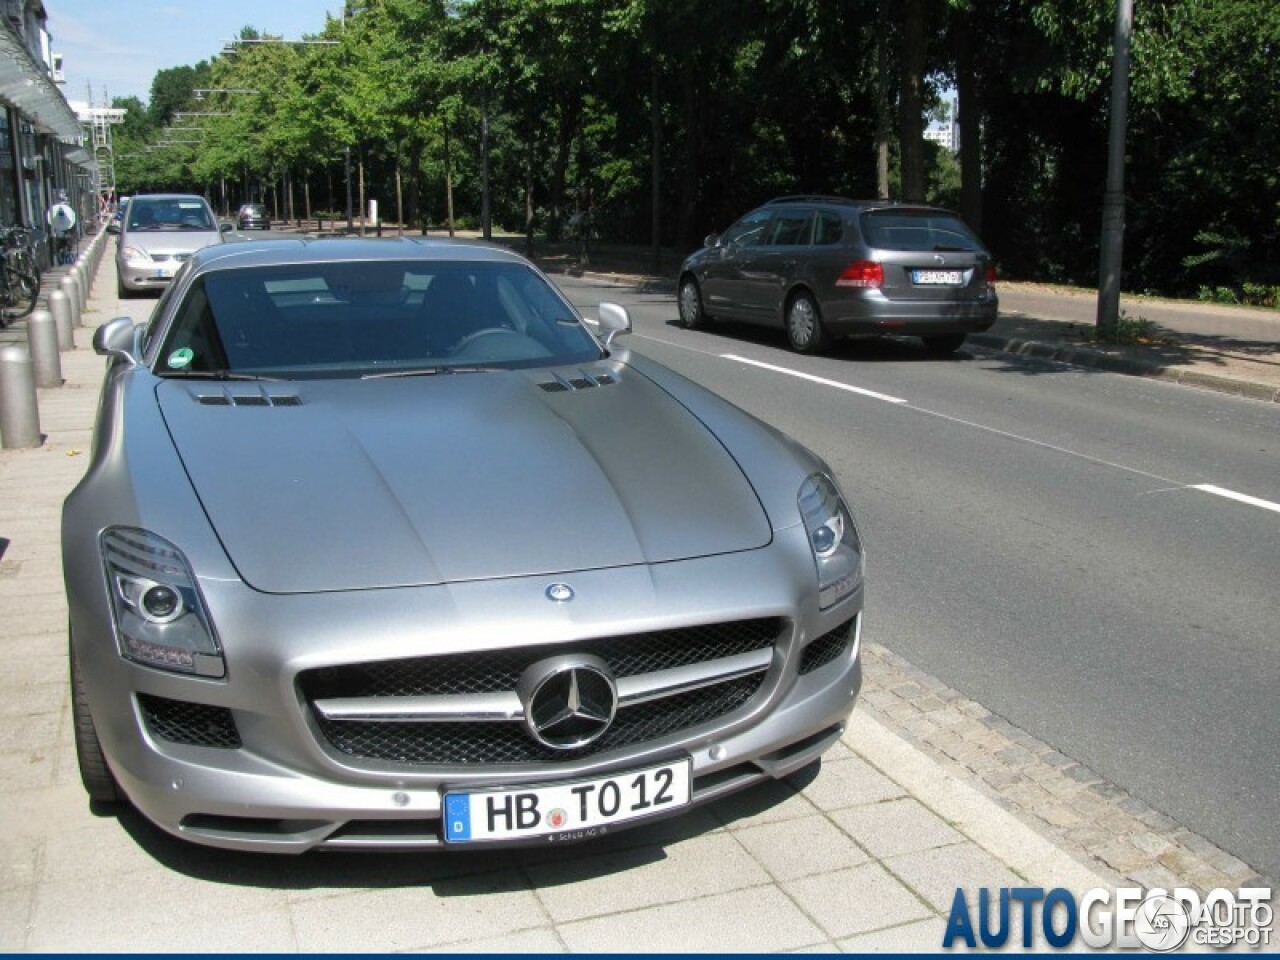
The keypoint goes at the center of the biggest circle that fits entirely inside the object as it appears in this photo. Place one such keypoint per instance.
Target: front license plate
(164, 271)
(951, 278)
(516, 813)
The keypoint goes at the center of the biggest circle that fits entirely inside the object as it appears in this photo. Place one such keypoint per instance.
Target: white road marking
(810, 377)
(1232, 495)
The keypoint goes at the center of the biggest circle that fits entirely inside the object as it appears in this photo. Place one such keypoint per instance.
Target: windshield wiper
(431, 371)
(215, 375)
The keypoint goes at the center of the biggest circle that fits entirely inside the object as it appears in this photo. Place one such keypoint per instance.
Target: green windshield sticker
(181, 358)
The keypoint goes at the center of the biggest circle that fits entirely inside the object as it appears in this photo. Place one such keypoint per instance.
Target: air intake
(584, 381)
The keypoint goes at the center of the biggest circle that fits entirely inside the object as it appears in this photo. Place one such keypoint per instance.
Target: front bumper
(139, 275)
(285, 788)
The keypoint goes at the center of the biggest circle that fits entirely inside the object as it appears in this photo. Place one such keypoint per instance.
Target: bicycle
(19, 276)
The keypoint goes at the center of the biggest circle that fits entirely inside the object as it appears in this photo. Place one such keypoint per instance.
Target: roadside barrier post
(62, 320)
(76, 274)
(68, 286)
(42, 336)
(19, 416)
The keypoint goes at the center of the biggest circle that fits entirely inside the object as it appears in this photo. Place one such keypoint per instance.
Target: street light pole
(350, 223)
(1113, 199)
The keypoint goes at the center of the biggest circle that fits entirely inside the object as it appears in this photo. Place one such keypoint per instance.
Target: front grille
(826, 648)
(485, 743)
(196, 724)
(473, 743)
(499, 670)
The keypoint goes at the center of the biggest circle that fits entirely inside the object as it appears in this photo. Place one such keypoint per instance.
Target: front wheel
(21, 291)
(804, 324)
(691, 313)
(96, 776)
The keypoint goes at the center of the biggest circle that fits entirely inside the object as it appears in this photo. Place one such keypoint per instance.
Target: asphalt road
(1038, 539)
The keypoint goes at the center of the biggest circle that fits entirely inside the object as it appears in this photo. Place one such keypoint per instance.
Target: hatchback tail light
(863, 273)
(991, 275)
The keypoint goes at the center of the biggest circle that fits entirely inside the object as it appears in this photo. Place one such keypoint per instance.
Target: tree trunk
(970, 126)
(363, 208)
(911, 120)
(448, 179)
(655, 124)
(528, 190)
(560, 169)
(692, 149)
(399, 202)
(884, 125)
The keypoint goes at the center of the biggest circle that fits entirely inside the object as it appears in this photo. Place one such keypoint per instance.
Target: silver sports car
(382, 546)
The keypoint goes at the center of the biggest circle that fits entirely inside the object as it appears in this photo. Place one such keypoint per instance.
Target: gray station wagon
(827, 267)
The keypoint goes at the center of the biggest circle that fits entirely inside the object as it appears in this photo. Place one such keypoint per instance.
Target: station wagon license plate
(942, 278)
(569, 809)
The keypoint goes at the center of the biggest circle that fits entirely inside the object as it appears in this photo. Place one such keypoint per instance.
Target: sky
(116, 46)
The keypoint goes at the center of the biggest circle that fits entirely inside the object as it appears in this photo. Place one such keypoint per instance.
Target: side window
(790, 228)
(748, 231)
(827, 229)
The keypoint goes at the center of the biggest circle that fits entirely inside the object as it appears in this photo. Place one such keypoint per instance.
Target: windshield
(917, 230)
(357, 319)
(170, 215)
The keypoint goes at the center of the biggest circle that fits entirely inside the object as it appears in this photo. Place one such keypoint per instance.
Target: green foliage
(745, 99)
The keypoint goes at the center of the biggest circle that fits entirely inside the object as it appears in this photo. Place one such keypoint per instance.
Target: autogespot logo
(1129, 917)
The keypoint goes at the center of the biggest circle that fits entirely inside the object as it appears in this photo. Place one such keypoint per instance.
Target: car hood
(345, 484)
(165, 242)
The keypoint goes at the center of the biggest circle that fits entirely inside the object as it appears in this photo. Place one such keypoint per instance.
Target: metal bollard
(19, 415)
(42, 337)
(78, 275)
(62, 321)
(68, 287)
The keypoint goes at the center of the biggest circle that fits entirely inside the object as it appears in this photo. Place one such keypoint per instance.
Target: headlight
(133, 253)
(159, 616)
(833, 538)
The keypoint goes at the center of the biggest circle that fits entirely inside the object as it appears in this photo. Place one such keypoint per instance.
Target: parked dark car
(253, 216)
(828, 267)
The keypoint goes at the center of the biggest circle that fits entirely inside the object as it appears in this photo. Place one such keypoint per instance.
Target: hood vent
(228, 399)
(585, 381)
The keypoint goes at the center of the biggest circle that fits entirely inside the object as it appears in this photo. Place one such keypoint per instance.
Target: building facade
(44, 159)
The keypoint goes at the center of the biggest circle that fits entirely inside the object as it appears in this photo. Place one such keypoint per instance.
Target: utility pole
(1113, 198)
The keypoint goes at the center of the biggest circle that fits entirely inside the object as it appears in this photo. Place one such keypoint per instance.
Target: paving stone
(896, 827)
(762, 919)
(847, 783)
(798, 848)
(935, 874)
(857, 900)
(923, 936)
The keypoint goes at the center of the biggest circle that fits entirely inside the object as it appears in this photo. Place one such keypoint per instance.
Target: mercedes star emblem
(569, 701)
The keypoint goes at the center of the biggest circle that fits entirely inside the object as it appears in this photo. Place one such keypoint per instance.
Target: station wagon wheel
(943, 342)
(804, 324)
(94, 772)
(691, 313)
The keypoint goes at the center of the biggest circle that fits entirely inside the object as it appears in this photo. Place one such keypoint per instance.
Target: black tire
(96, 776)
(803, 321)
(943, 343)
(689, 298)
(23, 289)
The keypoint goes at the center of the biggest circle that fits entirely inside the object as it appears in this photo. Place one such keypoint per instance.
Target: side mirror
(116, 338)
(226, 226)
(711, 240)
(614, 320)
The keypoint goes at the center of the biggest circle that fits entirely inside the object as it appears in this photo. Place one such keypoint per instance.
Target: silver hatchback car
(827, 267)
(158, 233)
(381, 545)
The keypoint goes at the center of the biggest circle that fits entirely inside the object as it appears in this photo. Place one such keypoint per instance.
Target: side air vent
(585, 381)
(217, 400)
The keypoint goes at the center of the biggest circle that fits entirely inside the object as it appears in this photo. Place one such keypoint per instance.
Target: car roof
(863, 205)
(309, 250)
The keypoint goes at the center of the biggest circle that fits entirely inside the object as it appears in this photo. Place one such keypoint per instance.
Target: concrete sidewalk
(866, 855)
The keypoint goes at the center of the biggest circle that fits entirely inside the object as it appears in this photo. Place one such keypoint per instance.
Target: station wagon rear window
(923, 230)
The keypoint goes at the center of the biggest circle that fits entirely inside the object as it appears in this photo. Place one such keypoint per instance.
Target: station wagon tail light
(159, 617)
(833, 538)
(991, 274)
(867, 274)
